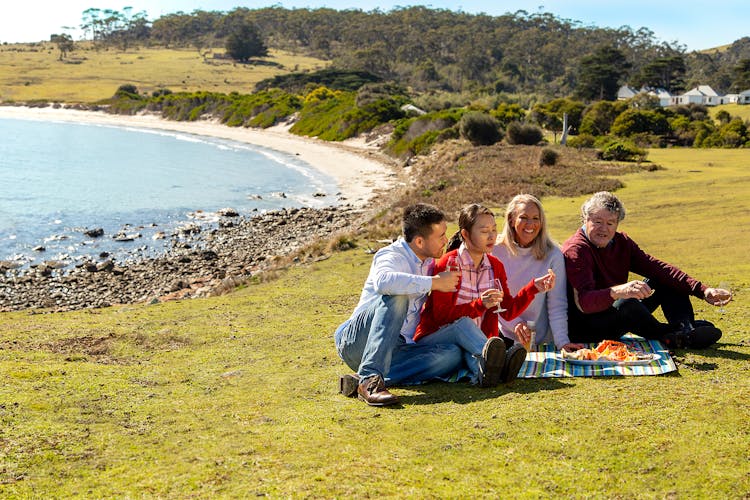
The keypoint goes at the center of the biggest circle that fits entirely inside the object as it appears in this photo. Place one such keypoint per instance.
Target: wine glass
(453, 265)
(725, 286)
(498, 284)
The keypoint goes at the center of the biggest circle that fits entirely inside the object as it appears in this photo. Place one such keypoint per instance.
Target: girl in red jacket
(477, 296)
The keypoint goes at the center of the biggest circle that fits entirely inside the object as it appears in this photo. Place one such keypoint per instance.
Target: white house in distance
(702, 94)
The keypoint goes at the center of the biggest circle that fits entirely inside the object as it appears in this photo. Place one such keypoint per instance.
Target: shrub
(523, 133)
(622, 151)
(479, 128)
(548, 157)
(127, 88)
(581, 141)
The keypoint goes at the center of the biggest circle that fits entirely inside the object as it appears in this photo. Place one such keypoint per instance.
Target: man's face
(434, 244)
(601, 227)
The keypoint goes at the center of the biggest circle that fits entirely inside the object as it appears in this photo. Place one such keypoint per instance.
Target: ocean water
(58, 179)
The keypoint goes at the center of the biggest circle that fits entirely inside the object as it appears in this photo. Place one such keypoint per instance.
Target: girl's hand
(546, 282)
(491, 298)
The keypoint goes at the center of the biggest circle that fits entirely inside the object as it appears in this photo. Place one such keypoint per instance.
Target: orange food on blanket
(607, 349)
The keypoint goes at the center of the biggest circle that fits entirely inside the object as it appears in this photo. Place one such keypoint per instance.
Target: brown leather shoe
(373, 392)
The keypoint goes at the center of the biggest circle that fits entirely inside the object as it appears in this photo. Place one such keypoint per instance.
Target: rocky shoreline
(200, 264)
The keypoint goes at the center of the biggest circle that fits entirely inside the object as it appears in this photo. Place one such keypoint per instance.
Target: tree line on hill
(531, 55)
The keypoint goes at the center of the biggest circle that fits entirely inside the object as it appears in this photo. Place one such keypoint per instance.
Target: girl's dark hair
(466, 220)
(418, 220)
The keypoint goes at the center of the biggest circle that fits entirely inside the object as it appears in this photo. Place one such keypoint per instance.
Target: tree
(741, 76)
(599, 74)
(244, 42)
(599, 117)
(664, 72)
(64, 43)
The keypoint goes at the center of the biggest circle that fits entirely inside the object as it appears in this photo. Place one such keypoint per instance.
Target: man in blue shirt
(377, 341)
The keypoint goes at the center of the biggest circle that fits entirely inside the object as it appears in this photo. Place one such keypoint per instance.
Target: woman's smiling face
(526, 224)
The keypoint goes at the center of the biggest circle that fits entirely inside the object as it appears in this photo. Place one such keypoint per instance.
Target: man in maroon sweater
(603, 304)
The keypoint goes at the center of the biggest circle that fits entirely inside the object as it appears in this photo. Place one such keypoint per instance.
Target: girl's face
(527, 224)
(482, 236)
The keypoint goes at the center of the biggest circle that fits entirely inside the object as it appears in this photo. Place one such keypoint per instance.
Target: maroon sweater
(591, 270)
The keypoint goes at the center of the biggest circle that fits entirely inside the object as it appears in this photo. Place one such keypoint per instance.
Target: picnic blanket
(546, 363)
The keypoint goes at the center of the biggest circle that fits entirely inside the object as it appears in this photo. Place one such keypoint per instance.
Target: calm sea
(59, 179)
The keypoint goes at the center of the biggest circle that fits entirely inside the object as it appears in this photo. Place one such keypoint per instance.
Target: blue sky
(696, 25)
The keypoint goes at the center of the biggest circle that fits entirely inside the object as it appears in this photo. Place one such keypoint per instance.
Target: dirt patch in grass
(456, 173)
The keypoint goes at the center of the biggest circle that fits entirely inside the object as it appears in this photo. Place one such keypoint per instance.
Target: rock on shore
(199, 264)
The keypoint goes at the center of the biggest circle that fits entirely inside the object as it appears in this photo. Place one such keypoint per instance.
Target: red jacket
(441, 309)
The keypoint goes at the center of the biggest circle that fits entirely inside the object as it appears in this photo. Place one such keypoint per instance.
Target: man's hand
(636, 289)
(447, 281)
(718, 296)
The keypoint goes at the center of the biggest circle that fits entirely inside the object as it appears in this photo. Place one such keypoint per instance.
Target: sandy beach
(356, 167)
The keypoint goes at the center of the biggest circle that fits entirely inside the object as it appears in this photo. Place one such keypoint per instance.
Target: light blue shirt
(396, 270)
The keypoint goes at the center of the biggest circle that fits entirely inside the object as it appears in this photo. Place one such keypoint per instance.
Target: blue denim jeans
(467, 335)
(370, 343)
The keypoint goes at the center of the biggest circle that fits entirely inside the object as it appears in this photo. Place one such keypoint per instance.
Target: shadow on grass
(462, 393)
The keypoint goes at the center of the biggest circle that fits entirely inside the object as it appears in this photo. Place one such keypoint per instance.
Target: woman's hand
(547, 282)
(636, 289)
(523, 333)
(571, 346)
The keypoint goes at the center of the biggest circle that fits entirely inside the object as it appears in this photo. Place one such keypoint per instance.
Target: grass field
(740, 110)
(235, 396)
(33, 72)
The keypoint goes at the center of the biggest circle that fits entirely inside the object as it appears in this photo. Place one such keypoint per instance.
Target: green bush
(523, 133)
(548, 157)
(581, 141)
(479, 128)
(619, 150)
(413, 136)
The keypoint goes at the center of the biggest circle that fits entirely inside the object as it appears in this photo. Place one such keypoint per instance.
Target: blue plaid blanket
(547, 363)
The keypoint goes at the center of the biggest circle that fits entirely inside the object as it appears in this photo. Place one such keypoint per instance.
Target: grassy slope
(740, 110)
(28, 72)
(236, 395)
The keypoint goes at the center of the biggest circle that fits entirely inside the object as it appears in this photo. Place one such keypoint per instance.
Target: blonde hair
(541, 244)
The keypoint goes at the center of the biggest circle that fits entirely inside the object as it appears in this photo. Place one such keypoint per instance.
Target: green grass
(33, 72)
(740, 110)
(235, 396)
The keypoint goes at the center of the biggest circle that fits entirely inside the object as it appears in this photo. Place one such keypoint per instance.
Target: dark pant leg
(676, 305)
(625, 315)
(594, 327)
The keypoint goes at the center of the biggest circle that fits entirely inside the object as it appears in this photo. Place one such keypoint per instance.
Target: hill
(34, 71)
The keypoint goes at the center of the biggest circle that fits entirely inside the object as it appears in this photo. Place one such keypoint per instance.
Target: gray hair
(600, 200)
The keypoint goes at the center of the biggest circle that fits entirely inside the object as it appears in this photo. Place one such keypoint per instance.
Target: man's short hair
(600, 200)
(418, 220)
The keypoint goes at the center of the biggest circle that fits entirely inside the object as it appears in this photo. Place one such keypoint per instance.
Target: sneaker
(348, 385)
(514, 358)
(491, 363)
